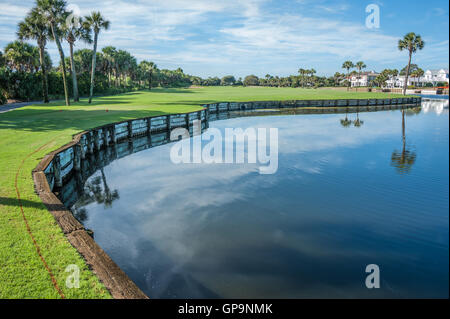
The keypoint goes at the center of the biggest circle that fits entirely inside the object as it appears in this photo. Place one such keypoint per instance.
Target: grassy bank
(25, 130)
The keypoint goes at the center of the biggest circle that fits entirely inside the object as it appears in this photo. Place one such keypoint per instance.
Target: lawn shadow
(14, 202)
(35, 120)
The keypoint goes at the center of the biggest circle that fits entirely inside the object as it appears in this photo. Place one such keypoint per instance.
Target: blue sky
(241, 37)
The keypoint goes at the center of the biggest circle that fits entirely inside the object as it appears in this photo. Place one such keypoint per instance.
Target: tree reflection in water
(94, 192)
(404, 160)
(346, 122)
(358, 122)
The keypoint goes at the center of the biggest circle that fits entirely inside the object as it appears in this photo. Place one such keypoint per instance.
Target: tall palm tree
(311, 75)
(302, 73)
(54, 11)
(148, 68)
(95, 22)
(75, 30)
(348, 65)
(360, 65)
(412, 43)
(110, 54)
(34, 27)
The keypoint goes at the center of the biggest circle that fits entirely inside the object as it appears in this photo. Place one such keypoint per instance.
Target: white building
(363, 79)
(399, 81)
(430, 76)
(435, 76)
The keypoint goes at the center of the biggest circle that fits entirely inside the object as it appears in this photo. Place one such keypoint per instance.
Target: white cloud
(216, 37)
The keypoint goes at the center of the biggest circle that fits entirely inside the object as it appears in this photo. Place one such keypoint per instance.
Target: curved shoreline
(88, 142)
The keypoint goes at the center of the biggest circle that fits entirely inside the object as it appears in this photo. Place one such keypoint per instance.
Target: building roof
(437, 71)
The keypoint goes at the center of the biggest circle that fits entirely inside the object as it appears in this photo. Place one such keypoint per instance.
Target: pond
(350, 190)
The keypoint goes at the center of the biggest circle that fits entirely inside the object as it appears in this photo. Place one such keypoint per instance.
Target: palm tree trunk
(63, 64)
(94, 61)
(76, 97)
(348, 80)
(44, 74)
(359, 79)
(407, 73)
(150, 82)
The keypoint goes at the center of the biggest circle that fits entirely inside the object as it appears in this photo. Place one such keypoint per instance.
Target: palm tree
(405, 159)
(34, 27)
(54, 11)
(20, 56)
(74, 30)
(337, 78)
(110, 54)
(311, 73)
(302, 73)
(348, 65)
(360, 65)
(95, 22)
(417, 74)
(412, 43)
(148, 68)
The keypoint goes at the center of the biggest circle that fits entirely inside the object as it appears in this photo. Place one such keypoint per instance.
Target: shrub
(251, 80)
(2, 99)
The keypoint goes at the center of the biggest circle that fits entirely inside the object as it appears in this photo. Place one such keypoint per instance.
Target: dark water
(342, 198)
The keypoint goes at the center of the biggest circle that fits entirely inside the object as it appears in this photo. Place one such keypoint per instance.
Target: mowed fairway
(25, 130)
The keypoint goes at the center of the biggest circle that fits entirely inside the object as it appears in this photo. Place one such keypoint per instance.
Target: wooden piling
(96, 140)
(77, 157)
(82, 150)
(149, 125)
(57, 171)
(113, 134)
(90, 144)
(130, 129)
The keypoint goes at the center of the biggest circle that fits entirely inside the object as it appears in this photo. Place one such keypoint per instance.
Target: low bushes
(27, 86)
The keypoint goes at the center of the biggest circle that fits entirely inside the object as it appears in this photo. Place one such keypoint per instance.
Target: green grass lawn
(22, 273)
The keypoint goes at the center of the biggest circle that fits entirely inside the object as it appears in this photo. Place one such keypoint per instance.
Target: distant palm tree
(412, 43)
(348, 65)
(73, 31)
(95, 22)
(34, 27)
(151, 67)
(417, 74)
(54, 11)
(302, 73)
(360, 65)
(311, 73)
(405, 159)
(110, 54)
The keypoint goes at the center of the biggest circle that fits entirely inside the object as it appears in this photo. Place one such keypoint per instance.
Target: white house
(430, 76)
(399, 81)
(363, 79)
(435, 76)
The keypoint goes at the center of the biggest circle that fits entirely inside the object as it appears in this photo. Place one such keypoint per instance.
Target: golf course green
(34, 252)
